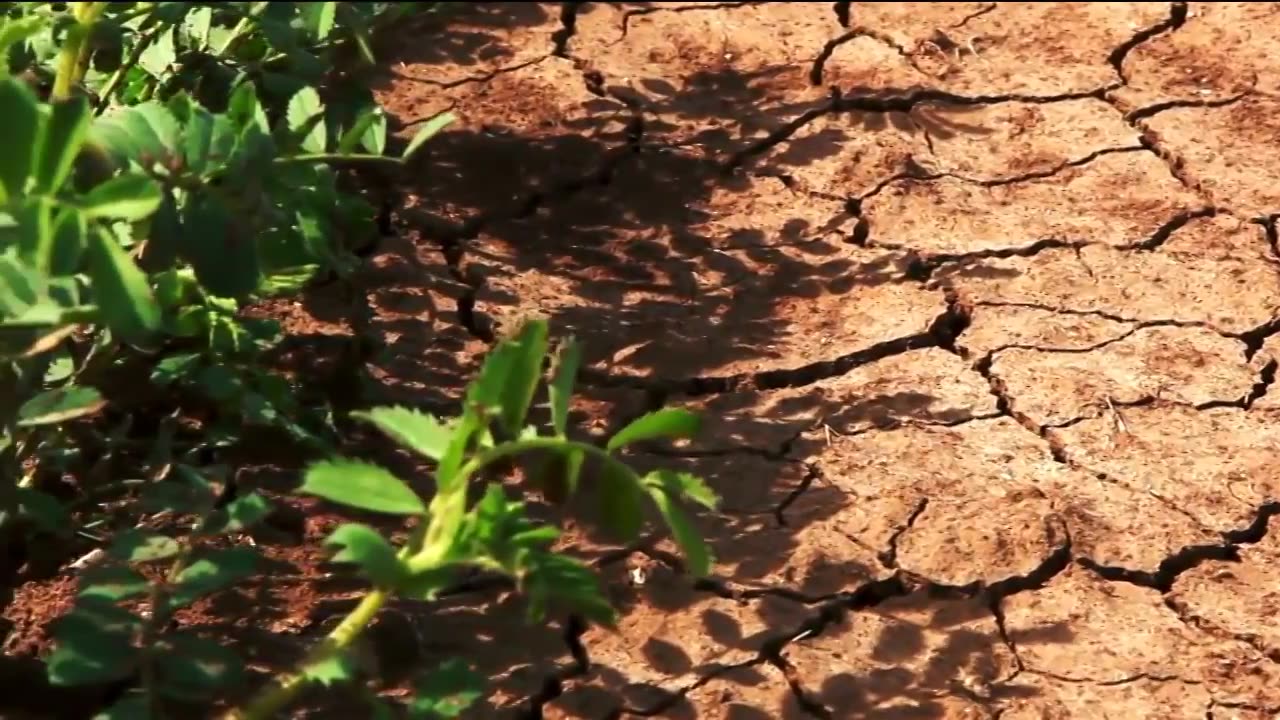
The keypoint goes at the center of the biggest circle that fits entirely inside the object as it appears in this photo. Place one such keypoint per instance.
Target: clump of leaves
(492, 533)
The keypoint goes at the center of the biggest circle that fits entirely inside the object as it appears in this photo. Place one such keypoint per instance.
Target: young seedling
(493, 533)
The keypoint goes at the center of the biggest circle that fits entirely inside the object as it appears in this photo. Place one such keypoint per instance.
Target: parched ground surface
(980, 302)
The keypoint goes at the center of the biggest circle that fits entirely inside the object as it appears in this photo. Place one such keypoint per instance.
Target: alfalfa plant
(452, 533)
(456, 529)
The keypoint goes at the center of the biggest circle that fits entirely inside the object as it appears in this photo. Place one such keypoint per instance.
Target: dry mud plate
(981, 304)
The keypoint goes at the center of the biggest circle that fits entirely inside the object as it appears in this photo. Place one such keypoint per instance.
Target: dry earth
(980, 301)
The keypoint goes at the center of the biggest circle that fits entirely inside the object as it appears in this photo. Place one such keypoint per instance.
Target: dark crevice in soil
(659, 8)
(568, 27)
(889, 556)
(1200, 624)
(1257, 529)
(1272, 234)
(807, 704)
(1266, 378)
(905, 102)
(779, 135)
(819, 63)
(1157, 108)
(1170, 568)
(1177, 16)
(553, 685)
(941, 333)
(1176, 223)
(812, 473)
(844, 11)
(1254, 339)
(670, 699)
(975, 15)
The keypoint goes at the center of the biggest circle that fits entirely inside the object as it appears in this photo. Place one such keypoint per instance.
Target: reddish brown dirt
(981, 302)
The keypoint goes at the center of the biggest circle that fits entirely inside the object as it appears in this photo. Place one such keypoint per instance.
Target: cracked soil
(981, 304)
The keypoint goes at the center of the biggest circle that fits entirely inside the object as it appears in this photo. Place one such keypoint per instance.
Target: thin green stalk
(310, 158)
(73, 57)
(135, 54)
(243, 27)
(280, 694)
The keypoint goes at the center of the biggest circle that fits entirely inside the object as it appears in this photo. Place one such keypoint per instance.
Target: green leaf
(21, 135)
(199, 22)
(220, 247)
(334, 669)
(620, 499)
(526, 371)
(369, 130)
(17, 30)
(197, 139)
(318, 17)
(60, 405)
(133, 707)
(44, 510)
(683, 484)
(428, 130)
(69, 238)
(667, 422)
(560, 390)
(193, 668)
(64, 134)
(131, 196)
(245, 511)
(141, 546)
(146, 133)
(94, 645)
(184, 491)
(362, 485)
(160, 55)
(121, 291)
(362, 545)
(418, 431)
(113, 583)
(445, 692)
(696, 553)
(305, 116)
(174, 368)
(213, 572)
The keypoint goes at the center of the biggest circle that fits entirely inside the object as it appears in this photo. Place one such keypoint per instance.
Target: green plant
(453, 530)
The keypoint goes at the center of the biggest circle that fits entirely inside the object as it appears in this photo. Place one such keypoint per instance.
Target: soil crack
(1177, 16)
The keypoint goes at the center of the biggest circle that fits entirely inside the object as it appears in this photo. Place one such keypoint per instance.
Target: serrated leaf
(335, 669)
(697, 554)
(142, 546)
(664, 423)
(305, 114)
(560, 389)
(418, 431)
(131, 196)
(60, 405)
(428, 130)
(445, 692)
(193, 668)
(213, 572)
(64, 134)
(362, 485)
(120, 288)
(113, 583)
(44, 510)
(21, 134)
(526, 371)
(683, 484)
(363, 546)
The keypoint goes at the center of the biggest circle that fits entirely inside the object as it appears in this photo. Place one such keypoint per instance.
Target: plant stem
(266, 704)
(420, 559)
(144, 41)
(338, 157)
(74, 55)
(242, 28)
